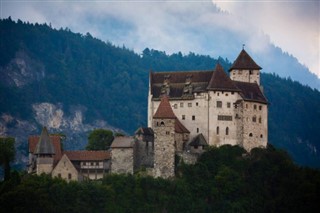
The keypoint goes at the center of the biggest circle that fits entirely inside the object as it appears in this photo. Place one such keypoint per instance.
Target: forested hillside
(224, 180)
(40, 65)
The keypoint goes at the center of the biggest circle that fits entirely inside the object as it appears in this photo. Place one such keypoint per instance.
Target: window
(254, 106)
(59, 175)
(227, 94)
(247, 106)
(254, 119)
(181, 104)
(217, 130)
(183, 117)
(69, 176)
(260, 107)
(224, 118)
(228, 104)
(162, 123)
(232, 93)
(193, 117)
(197, 104)
(167, 133)
(189, 104)
(260, 119)
(227, 131)
(217, 94)
(250, 135)
(261, 136)
(175, 106)
(250, 72)
(197, 130)
(219, 104)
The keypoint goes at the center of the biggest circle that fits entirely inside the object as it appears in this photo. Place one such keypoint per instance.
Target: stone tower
(244, 69)
(164, 131)
(44, 153)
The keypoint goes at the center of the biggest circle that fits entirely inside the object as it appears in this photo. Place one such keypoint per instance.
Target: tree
(7, 154)
(99, 139)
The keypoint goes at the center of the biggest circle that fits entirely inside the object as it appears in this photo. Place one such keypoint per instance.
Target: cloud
(292, 25)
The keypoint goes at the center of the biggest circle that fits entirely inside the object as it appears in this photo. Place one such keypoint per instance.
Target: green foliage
(225, 179)
(99, 139)
(7, 154)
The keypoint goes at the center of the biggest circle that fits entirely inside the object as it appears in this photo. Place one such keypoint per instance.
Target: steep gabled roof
(179, 127)
(251, 92)
(164, 110)
(44, 145)
(220, 81)
(199, 140)
(244, 61)
(56, 141)
(88, 155)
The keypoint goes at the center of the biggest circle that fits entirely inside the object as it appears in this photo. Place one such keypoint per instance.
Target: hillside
(73, 83)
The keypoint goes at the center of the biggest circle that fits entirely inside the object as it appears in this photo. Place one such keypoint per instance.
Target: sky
(215, 28)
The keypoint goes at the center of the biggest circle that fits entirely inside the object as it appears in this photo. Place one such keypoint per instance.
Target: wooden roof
(55, 140)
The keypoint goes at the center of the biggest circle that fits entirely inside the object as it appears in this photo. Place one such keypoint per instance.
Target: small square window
(219, 104)
(175, 106)
(228, 104)
(181, 104)
(189, 104)
(193, 117)
(183, 117)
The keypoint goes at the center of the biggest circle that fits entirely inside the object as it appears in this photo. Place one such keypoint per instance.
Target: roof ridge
(164, 110)
(244, 61)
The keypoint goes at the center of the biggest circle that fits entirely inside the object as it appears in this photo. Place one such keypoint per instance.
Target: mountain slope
(73, 83)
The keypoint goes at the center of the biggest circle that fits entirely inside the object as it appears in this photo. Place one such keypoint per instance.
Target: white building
(225, 110)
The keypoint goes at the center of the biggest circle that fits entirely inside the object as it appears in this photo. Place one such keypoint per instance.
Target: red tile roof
(164, 110)
(180, 128)
(88, 155)
(244, 61)
(220, 81)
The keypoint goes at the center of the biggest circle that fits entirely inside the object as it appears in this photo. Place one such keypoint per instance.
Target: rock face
(22, 70)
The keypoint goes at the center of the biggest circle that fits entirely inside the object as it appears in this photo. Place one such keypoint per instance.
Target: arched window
(250, 135)
(162, 123)
(227, 131)
(217, 130)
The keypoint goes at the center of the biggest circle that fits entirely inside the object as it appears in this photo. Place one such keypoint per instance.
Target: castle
(187, 111)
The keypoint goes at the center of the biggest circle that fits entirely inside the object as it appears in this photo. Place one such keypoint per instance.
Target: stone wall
(65, 170)
(255, 125)
(143, 154)
(164, 150)
(122, 160)
(252, 76)
(44, 165)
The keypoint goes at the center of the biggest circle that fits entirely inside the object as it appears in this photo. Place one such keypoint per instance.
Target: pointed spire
(244, 61)
(164, 110)
(44, 145)
(221, 81)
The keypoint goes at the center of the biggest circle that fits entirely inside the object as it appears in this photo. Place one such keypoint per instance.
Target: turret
(44, 153)
(164, 131)
(245, 69)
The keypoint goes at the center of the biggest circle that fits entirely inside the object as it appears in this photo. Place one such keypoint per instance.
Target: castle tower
(245, 69)
(164, 131)
(44, 153)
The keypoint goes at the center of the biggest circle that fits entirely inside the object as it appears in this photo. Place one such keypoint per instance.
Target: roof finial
(243, 46)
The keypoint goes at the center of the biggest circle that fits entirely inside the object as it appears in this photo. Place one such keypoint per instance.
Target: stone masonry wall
(122, 160)
(164, 148)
